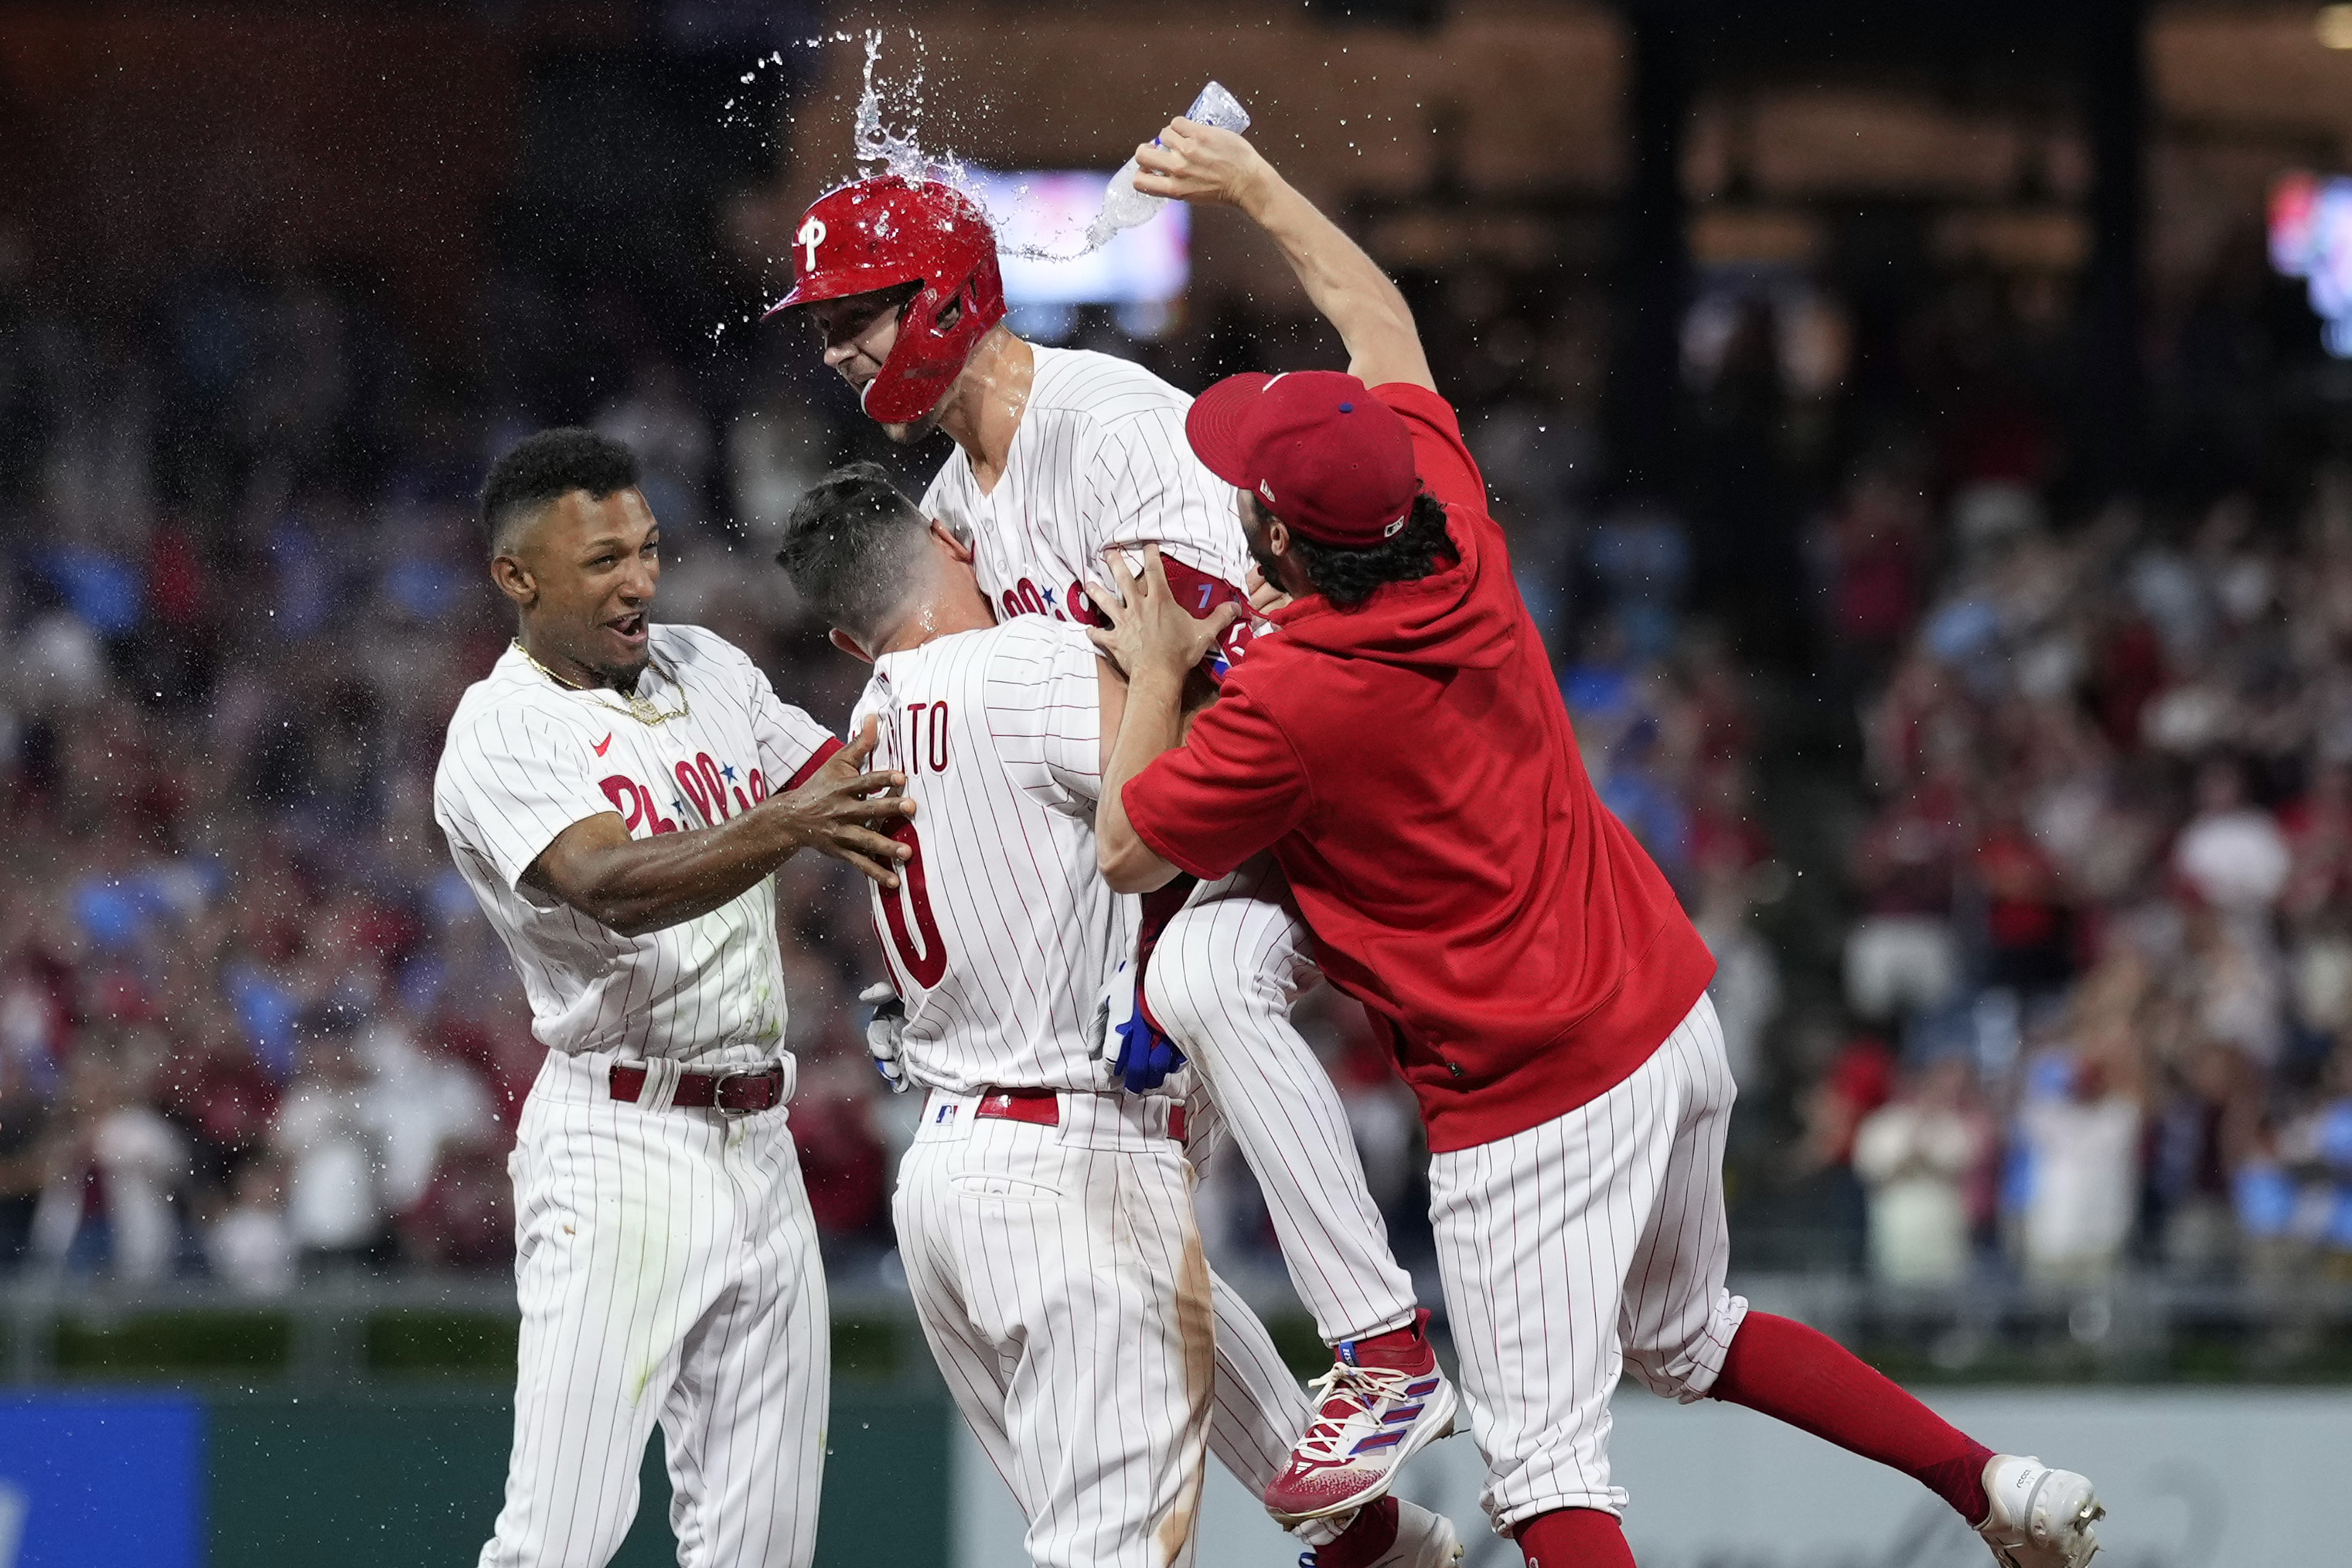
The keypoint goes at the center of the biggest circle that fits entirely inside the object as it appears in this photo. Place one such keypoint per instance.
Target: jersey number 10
(912, 900)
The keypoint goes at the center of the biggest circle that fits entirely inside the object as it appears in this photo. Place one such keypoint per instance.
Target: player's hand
(1150, 633)
(849, 814)
(1263, 596)
(1191, 162)
(885, 1026)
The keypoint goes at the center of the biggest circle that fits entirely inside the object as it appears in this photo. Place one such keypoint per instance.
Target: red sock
(1793, 1373)
(1370, 1534)
(1401, 1350)
(1575, 1538)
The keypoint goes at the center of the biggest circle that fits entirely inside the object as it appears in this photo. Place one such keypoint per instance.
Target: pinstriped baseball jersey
(1098, 459)
(705, 739)
(1002, 933)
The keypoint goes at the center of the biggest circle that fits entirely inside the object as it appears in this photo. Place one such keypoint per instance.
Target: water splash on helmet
(901, 152)
(897, 152)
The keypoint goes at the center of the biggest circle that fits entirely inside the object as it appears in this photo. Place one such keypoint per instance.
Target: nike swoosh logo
(605, 742)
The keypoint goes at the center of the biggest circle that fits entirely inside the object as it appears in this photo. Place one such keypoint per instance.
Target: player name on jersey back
(702, 739)
(1001, 934)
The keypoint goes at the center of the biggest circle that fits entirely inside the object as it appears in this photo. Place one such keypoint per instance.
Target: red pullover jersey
(1410, 764)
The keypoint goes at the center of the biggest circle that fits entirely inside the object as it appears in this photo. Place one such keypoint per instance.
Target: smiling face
(856, 333)
(582, 574)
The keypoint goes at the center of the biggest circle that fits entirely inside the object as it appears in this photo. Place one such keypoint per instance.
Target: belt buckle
(718, 1091)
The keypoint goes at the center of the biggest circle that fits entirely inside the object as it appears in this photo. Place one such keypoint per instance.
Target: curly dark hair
(1346, 575)
(547, 466)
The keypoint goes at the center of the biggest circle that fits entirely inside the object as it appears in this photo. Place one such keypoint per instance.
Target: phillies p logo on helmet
(810, 235)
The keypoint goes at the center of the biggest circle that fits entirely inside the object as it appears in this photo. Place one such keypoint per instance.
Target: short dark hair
(846, 547)
(1346, 575)
(544, 468)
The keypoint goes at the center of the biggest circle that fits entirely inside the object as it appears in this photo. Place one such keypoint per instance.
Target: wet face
(582, 574)
(856, 333)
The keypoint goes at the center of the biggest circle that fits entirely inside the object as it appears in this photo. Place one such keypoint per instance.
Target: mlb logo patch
(945, 1115)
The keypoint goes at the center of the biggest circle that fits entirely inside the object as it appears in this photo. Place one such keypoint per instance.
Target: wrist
(1255, 188)
(784, 829)
(1157, 685)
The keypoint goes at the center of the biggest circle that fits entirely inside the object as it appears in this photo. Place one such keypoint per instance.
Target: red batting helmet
(879, 232)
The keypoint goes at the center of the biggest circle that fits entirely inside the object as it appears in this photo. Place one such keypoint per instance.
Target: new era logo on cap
(1341, 458)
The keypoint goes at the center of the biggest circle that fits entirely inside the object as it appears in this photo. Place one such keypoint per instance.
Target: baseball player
(1059, 456)
(1045, 1216)
(1403, 748)
(617, 794)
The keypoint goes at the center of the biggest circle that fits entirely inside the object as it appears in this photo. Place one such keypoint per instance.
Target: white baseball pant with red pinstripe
(1058, 1274)
(667, 1265)
(1591, 1243)
(1221, 982)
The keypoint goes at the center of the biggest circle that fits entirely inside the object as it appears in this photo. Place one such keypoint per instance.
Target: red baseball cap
(1315, 447)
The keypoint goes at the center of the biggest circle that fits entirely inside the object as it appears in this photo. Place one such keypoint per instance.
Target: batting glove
(1145, 1056)
(1141, 1056)
(884, 1028)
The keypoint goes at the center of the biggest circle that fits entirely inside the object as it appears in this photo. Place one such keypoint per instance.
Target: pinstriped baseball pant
(1059, 1276)
(1222, 981)
(1590, 1243)
(667, 1267)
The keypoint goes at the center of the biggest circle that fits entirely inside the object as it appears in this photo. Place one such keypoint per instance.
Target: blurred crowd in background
(2022, 827)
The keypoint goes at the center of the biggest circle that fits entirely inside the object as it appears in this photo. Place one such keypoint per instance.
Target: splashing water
(902, 153)
(874, 142)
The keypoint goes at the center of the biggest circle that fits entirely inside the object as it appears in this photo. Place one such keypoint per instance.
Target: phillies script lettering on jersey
(704, 782)
(1098, 462)
(702, 739)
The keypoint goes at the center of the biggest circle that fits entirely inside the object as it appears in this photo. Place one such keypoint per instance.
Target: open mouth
(630, 628)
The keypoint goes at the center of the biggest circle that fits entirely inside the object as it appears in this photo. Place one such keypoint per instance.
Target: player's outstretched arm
(1201, 163)
(640, 885)
(1156, 642)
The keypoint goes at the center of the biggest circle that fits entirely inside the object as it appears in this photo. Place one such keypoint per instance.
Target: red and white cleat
(1383, 1401)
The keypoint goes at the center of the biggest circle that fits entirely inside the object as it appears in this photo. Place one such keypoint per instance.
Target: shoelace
(1366, 1387)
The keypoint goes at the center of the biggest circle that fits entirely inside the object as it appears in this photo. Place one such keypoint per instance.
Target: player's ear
(949, 541)
(1278, 535)
(515, 581)
(849, 645)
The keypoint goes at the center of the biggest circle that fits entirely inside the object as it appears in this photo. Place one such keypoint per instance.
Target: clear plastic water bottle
(1124, 206)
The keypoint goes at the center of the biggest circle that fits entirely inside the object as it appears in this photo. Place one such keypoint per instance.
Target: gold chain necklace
(644, 709)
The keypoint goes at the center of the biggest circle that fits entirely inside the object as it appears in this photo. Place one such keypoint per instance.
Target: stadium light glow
(2310, 238)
